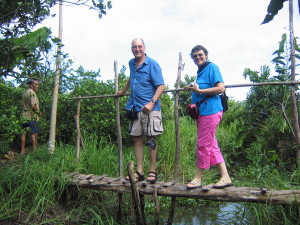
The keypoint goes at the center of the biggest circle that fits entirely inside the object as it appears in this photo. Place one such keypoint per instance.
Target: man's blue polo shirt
(143, 83)
(208, 78)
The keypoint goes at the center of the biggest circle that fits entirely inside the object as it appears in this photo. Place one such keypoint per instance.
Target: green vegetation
(33, 188)
(256, 136)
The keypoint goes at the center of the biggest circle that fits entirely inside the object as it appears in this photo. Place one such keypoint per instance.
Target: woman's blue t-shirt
(208, 78)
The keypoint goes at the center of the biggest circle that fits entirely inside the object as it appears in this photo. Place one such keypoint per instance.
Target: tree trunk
(56, 86)
(293, 95)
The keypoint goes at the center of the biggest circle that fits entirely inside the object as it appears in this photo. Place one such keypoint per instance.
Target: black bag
(224, 101)
(131, 114)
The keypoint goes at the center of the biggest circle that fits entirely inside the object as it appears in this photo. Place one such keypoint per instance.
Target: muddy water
(223, 213)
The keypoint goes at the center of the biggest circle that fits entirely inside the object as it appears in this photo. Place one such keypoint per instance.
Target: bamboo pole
(81, 139)
(78, 131)
(120, 150)
(157, 208)
(176, 117)
(177, 135)
(120, 206)
(81, 142)
(138, 207)
(119, 131)
(293, 95)
(291, 83)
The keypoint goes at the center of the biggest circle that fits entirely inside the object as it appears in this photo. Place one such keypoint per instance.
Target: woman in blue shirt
(205, 90)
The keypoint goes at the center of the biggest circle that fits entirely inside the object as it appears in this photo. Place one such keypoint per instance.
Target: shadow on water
(223, 213)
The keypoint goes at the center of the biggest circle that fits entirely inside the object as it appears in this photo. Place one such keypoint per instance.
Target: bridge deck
(172, 189)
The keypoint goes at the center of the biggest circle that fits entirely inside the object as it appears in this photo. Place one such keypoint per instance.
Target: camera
(151, 144)
(131, 114)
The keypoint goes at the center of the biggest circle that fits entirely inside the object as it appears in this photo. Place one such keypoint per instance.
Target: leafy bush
(10, 111)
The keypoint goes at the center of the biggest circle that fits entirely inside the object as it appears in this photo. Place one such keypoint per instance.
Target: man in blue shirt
(146, 85)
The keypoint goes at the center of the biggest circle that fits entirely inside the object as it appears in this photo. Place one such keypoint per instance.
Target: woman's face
(199, 57)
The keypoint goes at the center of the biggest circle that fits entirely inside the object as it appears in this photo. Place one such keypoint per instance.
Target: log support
(173, 189)
(137, 198)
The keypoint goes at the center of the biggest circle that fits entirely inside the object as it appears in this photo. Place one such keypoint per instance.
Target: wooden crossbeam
(172, 189)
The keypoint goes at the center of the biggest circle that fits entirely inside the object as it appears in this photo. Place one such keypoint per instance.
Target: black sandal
(155, 177)
(140, 177)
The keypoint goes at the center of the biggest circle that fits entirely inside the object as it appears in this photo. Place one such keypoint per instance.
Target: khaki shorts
(149, 124)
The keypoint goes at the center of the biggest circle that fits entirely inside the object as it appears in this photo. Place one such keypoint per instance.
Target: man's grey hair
(139, 39)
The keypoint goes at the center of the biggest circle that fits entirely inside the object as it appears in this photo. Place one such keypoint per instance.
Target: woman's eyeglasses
(196, 55)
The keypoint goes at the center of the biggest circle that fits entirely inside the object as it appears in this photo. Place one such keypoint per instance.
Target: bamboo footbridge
(173, 189)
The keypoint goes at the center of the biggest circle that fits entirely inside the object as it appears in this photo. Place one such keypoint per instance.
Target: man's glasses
(196, 55)
(137, 47)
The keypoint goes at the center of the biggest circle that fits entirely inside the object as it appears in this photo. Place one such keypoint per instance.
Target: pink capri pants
(208, 152)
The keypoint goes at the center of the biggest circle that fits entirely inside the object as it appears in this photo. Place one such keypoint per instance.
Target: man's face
(199, 57)
(34, 86)
(138, 48)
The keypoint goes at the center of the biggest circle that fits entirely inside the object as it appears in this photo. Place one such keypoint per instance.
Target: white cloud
(230, 30)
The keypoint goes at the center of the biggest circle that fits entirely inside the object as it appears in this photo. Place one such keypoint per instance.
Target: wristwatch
(152, 100)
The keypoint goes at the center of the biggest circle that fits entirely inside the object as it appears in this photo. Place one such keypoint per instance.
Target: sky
(230, 30)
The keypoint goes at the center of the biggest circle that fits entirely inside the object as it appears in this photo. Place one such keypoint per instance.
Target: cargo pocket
(157, 124)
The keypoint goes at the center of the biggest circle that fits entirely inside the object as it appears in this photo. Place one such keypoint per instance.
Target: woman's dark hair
(199, 48)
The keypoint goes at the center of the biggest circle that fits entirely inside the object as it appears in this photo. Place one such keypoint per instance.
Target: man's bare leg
(138, 144)
(152, 159)
(34, 141)
(23, 142)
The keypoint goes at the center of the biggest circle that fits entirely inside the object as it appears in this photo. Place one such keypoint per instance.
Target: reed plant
(33, 188)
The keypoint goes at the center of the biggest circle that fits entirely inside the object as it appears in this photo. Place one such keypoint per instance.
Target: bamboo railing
(243, 194)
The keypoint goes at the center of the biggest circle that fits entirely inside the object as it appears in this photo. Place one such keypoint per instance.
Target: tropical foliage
(18, 46)
(273, 8)
(255, 135)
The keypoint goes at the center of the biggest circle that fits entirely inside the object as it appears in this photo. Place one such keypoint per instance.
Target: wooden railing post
(138, 206)
(120, 150)
(177, 138)
(78, 131)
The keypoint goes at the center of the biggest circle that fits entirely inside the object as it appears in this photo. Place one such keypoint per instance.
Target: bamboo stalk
(119, 131)
(78, 131)
(291, 83)
(293, 94)
(176, 117)
(177, 135)
(120, 150)
(81, 139)
(140, 219)
(157, 208)
(120, 206)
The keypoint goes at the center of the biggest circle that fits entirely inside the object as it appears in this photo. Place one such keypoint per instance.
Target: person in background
(205, 90)
(146, 85)
(31, 114)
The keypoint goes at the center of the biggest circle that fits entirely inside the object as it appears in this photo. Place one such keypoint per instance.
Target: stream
(222, 213)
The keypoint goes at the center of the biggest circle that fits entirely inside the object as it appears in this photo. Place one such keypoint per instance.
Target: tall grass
(33, 188)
